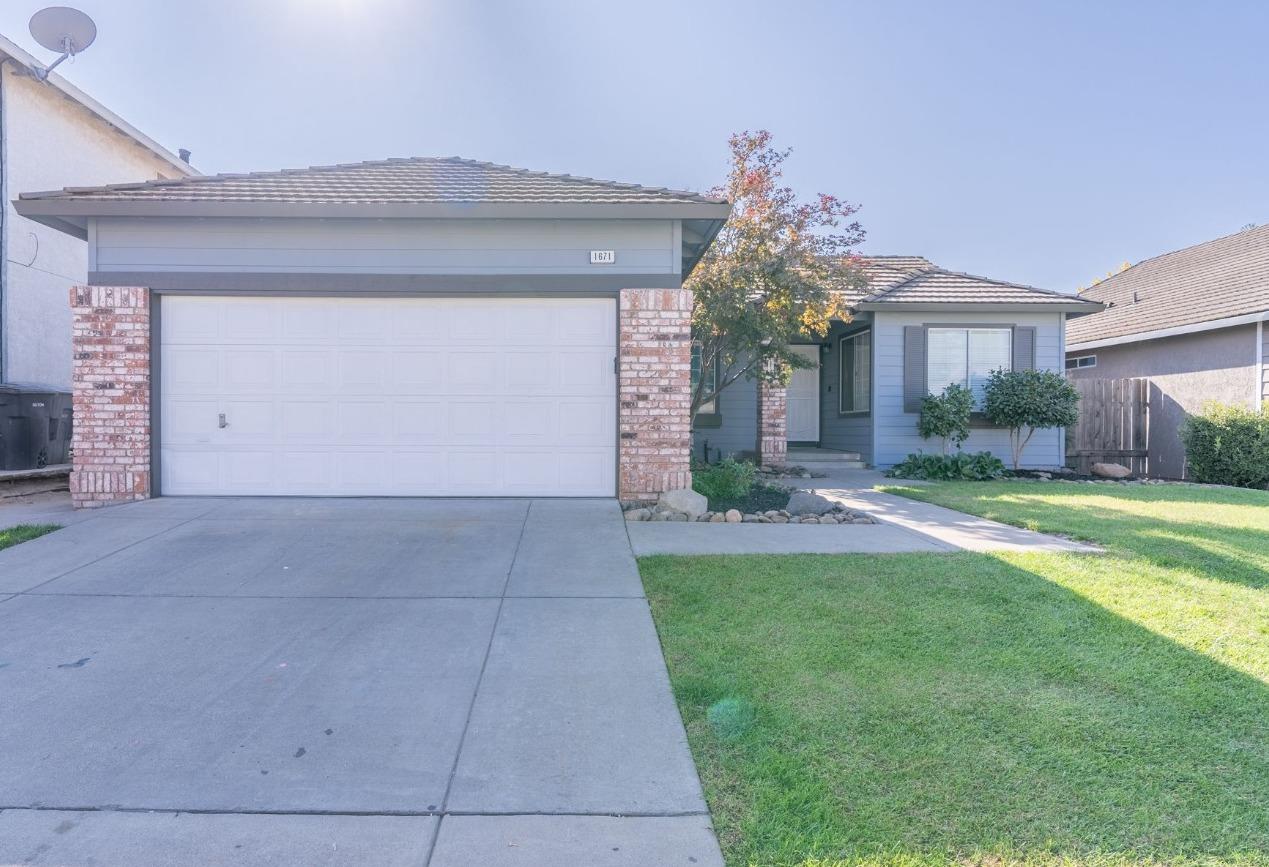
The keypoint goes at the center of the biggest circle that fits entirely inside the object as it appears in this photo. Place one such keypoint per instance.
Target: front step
(821, 456)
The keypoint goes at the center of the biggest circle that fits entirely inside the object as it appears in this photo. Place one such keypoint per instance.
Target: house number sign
(603, 257)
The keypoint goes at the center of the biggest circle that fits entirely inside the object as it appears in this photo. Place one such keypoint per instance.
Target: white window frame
(1078, 362)
(969, 331)
(842, 348)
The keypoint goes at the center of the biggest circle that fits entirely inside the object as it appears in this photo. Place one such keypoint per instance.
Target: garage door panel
(191, 369)
(363, 421)
(472, 421)
(251, 370)
(413, 397)
(362, 371)
(305, 321)
(416, 372)
(474, 372)
(307, 371)
(185, 419)
(307, 420)
(419, 422)
(249, 420)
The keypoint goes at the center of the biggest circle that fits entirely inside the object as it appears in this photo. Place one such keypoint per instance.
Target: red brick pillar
(111, 383)
(654, 390)
(773, 429)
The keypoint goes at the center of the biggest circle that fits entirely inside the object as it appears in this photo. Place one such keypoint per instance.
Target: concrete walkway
(320, 682)
(905, 526)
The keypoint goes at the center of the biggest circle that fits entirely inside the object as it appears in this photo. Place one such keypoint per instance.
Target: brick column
(773, 429)
(111, 383)
(654, 390)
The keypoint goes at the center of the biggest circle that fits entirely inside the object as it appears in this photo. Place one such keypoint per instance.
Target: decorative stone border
(836, 515)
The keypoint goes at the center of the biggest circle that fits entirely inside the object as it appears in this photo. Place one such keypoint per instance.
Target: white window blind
(966, 356)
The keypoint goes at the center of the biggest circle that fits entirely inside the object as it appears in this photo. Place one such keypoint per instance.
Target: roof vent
(184, 154)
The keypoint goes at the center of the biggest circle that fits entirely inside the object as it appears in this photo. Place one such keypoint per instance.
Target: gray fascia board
(33, 206)
(1078, 307)
(220, 283)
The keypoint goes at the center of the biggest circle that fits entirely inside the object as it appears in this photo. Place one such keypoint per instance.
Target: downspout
(4, 226)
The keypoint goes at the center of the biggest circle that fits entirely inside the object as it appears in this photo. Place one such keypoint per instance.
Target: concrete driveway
(267, 681)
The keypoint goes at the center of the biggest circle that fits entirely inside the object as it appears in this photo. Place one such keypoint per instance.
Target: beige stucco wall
(1185, 372)
(52, 142)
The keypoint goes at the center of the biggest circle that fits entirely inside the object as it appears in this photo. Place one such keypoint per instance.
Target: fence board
(1113, 425)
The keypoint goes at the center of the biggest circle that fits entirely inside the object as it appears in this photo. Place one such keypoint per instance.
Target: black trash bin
(35, 426)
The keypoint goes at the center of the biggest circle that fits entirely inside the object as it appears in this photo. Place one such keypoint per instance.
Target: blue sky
(1041, 143)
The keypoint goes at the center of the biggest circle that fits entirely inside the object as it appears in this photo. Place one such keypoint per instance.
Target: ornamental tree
(1029, 400)
(775, 272)
(947, 415)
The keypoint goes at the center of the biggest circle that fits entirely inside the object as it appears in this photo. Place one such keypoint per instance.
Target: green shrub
(1029, 400)
(729, 479)
(1228, 445)
(978, 467)
(946, 416)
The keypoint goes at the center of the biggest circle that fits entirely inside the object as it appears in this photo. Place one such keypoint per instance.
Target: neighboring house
(914, 329)
(1193, 323)
(406, 327)
(52, 135)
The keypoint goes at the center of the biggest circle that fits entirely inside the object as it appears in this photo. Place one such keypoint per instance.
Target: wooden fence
(1113, 427)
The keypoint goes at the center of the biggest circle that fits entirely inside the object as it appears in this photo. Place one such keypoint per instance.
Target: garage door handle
(223, 423)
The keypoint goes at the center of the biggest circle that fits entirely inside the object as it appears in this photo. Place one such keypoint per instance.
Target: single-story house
(1193, 323)
(54, 134)
(406, 327)
(914, 329)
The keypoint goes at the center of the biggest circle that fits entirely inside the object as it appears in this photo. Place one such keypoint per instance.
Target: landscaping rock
(676, 516)
(717, 517)
(828, 519)
(809, 503)
(749, 519)
(733, 516)
(638, 515)
(1111, 471)
(684, 500)
(862, 521)
(779, 519)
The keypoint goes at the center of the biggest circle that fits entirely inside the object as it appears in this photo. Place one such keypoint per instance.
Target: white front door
(804, 398)
(387, 396)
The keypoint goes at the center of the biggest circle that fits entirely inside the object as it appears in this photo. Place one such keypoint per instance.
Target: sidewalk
(957, 530)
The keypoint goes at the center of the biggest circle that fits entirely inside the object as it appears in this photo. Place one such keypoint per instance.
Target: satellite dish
(61, 28)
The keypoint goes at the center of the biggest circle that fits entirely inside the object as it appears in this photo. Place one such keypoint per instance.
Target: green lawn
(24, 533)
(969, 708)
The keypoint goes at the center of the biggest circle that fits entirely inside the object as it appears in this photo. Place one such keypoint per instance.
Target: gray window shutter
(913, 367)
(1024, 347)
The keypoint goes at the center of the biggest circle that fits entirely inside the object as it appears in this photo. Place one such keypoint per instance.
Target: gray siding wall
(738, 433)
(1185, 372)
(383, 246)
(894, 431)
(853, 432)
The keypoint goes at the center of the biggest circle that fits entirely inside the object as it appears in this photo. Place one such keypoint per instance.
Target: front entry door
(804, 398)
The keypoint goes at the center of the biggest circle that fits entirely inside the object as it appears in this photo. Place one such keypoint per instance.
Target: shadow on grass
(925, 708)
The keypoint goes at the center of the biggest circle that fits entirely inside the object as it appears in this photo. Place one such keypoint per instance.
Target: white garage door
(387, 396)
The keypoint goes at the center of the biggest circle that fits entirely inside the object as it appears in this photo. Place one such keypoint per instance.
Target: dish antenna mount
(61, 28)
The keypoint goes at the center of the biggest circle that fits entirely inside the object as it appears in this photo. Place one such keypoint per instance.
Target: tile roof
(416, 180)
(916, 280)
(1213, 280)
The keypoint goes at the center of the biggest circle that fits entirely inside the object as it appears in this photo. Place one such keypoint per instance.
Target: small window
(855, 354)
(709, 407)
(1081, 361)
(966, 356)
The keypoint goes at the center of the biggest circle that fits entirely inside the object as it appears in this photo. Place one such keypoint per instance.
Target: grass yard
(24, 533)
(1046, 709)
